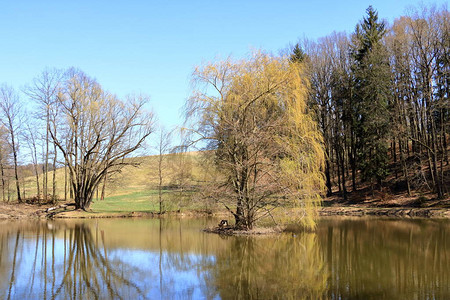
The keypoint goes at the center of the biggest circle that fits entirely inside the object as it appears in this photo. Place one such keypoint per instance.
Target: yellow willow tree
(267, 147)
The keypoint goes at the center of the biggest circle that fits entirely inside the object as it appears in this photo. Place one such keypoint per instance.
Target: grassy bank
(134, 191)
(135, 188)
(147, 201)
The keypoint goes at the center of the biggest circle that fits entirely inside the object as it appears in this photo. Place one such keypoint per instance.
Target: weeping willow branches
(267, 147)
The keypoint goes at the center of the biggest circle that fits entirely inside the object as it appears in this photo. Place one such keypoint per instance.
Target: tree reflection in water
(121, 259)
(172, 259)
(387, 258)
(287, 267)
(88, 272)
(75, 267)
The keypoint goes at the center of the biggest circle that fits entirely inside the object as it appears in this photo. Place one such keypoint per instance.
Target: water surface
(173, 259)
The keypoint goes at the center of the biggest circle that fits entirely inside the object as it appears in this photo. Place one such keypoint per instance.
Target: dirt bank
(21, 211)
(390, 212)
(24, 211)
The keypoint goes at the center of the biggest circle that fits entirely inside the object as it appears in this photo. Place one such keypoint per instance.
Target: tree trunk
(84, 196)
(353, 161)
(38, 187)
(16, 172)
(404, 167)
(439, 188)
(240, 222)
(71, 193)
(24, 196)
(327, 175)
(160, 181)
(45, 175)
(9, 191)
(394, 155)
(102, 197)
(342, 164)
(338, 165)
(65, 182)
(445, 147)
(2, 169)
(54, 176)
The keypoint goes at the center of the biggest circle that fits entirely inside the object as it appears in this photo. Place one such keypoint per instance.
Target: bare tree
(97, 132)
(164, 144)
(11, 118)
(31, 139)
(5, 160)
(44, 91)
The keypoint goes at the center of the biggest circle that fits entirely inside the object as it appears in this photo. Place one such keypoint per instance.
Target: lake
(345, 258)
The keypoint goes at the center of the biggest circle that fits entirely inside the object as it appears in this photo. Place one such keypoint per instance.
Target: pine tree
(372, 90)
(298, 55)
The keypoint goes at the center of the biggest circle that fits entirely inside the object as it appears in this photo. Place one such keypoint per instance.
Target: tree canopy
(381, 101)
(95, 131)
(267, 146)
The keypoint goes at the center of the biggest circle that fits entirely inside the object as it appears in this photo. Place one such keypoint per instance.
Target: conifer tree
(298, 55)
(372, 89)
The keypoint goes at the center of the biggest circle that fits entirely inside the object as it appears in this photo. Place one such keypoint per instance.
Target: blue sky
(152, 47)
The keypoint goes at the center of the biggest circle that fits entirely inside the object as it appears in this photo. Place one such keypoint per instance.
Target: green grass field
(144, 201)
(135, 188)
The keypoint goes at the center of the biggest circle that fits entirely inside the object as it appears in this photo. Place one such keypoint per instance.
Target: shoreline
(25, 211)
(400, 212)
(28, 211)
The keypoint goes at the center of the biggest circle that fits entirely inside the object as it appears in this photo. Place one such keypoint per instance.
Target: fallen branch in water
(59, 206)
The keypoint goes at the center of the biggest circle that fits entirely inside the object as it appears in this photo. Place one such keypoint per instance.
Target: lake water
(173, 259)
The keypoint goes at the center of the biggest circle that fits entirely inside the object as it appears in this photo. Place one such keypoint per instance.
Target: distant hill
(138, 183)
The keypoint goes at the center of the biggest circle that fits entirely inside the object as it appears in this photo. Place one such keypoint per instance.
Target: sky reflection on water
(174, 259)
